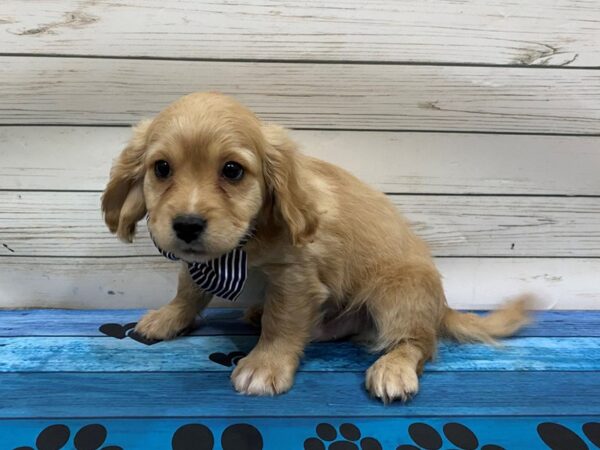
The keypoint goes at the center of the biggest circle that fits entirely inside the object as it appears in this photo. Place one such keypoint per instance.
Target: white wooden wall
(481, 120)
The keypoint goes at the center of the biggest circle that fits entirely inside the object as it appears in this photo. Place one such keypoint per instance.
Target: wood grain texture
(316, 96)
(75, 322)
(383, 74)
(290, 434)
(221, 321)
(141, 397)
(67, 158)
(70, 224)
(191, 354)
(560, 33)
(470, 283)
(210, 394)
(99, 283)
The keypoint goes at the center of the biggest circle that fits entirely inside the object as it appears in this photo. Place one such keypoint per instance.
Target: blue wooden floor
(80, 380)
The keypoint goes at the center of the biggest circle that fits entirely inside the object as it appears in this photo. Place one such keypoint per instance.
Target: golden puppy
(338, 257)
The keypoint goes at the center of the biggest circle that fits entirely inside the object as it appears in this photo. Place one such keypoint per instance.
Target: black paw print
(119, 331)
(559, 437)
(228, 359)
(459, 435)
(55, 437)
(327, 436)
(194, 436)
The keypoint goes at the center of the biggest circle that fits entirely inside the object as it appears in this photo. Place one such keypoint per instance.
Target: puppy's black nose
(188, 227)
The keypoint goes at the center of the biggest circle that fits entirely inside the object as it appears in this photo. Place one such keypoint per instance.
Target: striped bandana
(224, 276)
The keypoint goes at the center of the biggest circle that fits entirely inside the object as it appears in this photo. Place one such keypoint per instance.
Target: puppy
(338, 257)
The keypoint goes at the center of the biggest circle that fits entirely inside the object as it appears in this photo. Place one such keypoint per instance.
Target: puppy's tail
(468, 327)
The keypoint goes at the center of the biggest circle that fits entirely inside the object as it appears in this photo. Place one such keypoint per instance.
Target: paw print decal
(559, 437)
(239, 436)
(55, 437)
(119, 331)
(227, 360)
(328, 439)
(427, 438)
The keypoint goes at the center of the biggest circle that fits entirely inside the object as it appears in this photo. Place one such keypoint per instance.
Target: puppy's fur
(339, 258)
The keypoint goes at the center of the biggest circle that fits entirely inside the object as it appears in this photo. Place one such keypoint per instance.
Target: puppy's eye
(162, 169)
(232, 171)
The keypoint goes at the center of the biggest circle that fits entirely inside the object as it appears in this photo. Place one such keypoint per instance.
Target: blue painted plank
(563, 324)
(192, 354)
(285, 434)
(63, 322)
(315, 394)
(219, 321)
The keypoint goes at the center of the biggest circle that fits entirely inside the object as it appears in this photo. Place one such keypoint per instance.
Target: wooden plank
(76, 322)
(307, 95)
(98, 283)
(70, 224)
(290, 434)
(564, 323)
(470, 283)
(439, 163)
(505, 226)
(482, 283)
(209, 354)
(564, 32)
(210, 394)
(221, 321)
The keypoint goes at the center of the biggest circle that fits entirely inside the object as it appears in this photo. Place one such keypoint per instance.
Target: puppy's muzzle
(188, 228)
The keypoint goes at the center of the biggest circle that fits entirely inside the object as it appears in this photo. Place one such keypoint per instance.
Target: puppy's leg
(288, 317)
(406, 316)
(168, 321)
(346, 324)
(253, 315)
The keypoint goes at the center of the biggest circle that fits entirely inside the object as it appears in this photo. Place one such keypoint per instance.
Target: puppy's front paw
(164, 323)
(390, 380)
(261, 373)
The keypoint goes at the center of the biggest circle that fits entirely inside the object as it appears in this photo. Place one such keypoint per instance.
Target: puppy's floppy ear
(282, 176)
(123, 202)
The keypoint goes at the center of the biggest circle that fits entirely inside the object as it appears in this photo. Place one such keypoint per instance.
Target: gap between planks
(358, 62)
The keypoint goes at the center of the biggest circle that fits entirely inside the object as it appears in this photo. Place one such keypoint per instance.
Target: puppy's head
(206, 170)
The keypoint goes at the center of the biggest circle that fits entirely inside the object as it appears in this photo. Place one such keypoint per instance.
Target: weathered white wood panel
(150, 282)
(70, 224)
(67, 158)
(97, 283)
(562, 32)
(337, 90)
(374, 97)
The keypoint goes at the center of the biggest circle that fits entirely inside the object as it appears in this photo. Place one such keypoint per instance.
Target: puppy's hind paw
(389, 381)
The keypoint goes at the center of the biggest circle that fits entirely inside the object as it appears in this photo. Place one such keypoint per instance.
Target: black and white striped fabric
(224, 276)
